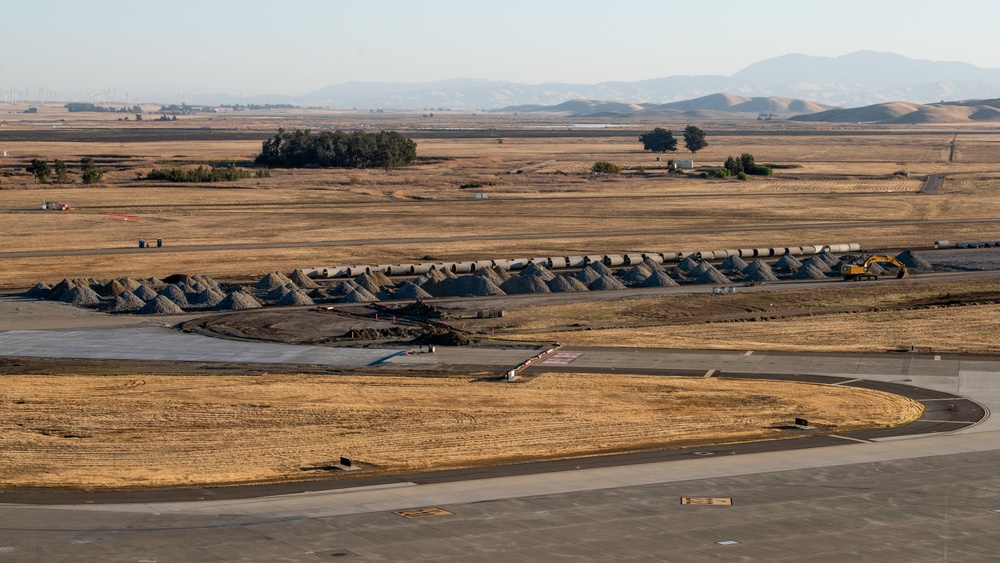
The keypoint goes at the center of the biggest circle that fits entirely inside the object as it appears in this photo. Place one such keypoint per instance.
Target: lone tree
(694, 139)
(658, 140)
(40, 169)
(91, 175)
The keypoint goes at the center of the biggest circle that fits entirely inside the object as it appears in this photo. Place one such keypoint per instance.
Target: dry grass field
(97, 432)
(830, 184)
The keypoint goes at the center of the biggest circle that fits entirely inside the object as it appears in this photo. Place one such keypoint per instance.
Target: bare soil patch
(142, 431)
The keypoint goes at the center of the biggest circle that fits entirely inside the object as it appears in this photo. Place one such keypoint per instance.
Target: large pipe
(463, 267)
(542, 261)
(557, 262)
(669, 256)
(421, 269)
(501, 265)
(795, 250)
(763, 252)
(654, 257)
(747, 253)
(632, 259)
(575, 262)
(704, 255)
(779, 251)
(591, 258)
(612, 260)
(518, 263)
(481, 264)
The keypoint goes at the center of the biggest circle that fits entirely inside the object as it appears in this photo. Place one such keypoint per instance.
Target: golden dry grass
(97, 432)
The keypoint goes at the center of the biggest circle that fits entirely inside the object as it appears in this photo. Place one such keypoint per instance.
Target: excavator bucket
(903, 273)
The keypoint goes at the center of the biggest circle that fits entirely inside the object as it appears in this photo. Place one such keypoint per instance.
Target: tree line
(204, 174)
(58, 172)
(337, 149)
(74, 107)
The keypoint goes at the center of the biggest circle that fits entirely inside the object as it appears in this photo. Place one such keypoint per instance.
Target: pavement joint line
(709, 373)
(941, 399)
(845, 382)
(851, 439)
(943, 421)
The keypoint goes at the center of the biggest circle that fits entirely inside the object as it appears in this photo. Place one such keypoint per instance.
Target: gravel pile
(300, 279)
(758, 264)
(81, 296)
(588, 275)
(279, 293)
(605, 283)
(368, 282)
(563, 284)
(491, 274)
(60, 289)
(380, 279)
(38, 291)
(759, 275)
(687, 264)
(175, 293)
(658, 279)
(878, 270)
(341, 289)
(144, 292)
(600, 268)
(534, 270)
(126, 302)
(829, 258)
(525, 284)
(733, 264)
(160, 306)
(238, 301)
(711, 276)
(466, 286)
(809, 272)
(358, 295)
(637, 274)
(651, 265)
(208, 298)
(410, 290)
(295, 297)
(271, 281)
(818, 263)
(112, 288)
(914, 262)
(787, 263)
(700, 269)
(501, 273)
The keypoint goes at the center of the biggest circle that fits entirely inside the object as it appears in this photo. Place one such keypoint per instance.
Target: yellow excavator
(857, 272)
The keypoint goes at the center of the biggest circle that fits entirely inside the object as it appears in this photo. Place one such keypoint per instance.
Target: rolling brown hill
(987, 111)
(714, 106)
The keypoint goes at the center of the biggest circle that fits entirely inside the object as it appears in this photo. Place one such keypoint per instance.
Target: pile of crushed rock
(185, 293)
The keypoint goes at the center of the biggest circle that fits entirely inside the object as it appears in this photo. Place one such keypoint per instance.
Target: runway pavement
(925, 498)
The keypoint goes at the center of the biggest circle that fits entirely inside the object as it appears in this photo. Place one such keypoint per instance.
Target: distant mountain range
(857, 79)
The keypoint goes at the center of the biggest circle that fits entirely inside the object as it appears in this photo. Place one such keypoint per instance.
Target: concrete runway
(928, 497)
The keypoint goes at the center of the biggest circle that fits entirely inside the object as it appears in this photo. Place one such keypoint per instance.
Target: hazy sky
(293, 47)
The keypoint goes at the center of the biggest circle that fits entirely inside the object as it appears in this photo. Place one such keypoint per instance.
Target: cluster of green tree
(339, 149)
(662, 140)
(165, 118)
(203, 174)
(241, 107)
(74, 107)
(745, 164)
(89, 174)
(184, 109)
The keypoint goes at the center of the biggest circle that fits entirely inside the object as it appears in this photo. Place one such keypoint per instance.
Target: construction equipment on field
(856, 272)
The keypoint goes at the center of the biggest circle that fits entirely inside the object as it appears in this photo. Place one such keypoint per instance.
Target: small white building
(684, 164)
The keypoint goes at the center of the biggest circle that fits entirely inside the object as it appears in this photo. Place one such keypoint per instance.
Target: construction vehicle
(858, 272)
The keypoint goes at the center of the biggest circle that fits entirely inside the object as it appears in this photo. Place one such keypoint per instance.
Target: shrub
(605, 167)
(742, 176)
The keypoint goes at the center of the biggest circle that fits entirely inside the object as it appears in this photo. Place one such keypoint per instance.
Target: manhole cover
(708, 501)
(422, 512)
